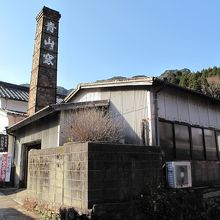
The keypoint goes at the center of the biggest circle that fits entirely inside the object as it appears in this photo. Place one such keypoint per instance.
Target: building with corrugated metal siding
(185, 123)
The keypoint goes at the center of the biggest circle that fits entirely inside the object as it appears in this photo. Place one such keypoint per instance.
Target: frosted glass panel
(197, 144)
(166, 139)
(182, 142)
(210, 144)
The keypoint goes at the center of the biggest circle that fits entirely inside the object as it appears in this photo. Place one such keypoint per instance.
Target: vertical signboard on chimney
(44, 67)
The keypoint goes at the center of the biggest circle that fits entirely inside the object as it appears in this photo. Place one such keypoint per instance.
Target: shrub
(93, 124)
(166, 204)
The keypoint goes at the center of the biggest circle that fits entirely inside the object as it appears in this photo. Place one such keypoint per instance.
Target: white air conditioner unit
(179, 174)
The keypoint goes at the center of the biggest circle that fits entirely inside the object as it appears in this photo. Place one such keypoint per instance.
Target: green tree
(184, 81)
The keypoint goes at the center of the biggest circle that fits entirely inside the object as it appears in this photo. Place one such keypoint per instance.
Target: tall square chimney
(44, 67)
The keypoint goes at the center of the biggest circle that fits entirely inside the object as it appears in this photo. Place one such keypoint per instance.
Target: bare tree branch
(93, 124)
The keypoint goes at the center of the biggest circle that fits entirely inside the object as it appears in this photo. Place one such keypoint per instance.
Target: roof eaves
(40, 114)
(72, 93)
(56, 107)
(14, 86)
(77, 105)
(118, 83)
(9, 111)
(146, 81)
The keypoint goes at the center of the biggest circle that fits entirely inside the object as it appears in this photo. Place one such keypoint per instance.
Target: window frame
(189, 126)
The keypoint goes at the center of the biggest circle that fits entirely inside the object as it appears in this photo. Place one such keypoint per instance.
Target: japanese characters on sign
(5, 167)
(51, 27)
(49, 42)
(48, 58)
(3, 143)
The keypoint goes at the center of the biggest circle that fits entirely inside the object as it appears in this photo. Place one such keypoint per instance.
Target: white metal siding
(14, 105)
(84, 96)
(176, 105)
(131, 104)
(3, 121)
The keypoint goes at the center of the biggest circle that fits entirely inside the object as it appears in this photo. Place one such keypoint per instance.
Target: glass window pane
(218, 139)
(182, 142)
(166, 139)
(197, 144)
(210, 144)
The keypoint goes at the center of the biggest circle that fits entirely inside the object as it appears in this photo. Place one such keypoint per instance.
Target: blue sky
(99, 39)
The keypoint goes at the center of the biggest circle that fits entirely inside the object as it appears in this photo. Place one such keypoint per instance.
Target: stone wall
(86, 174)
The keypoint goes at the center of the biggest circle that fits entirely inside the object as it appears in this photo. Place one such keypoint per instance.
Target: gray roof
(19, 93)
(15, 92)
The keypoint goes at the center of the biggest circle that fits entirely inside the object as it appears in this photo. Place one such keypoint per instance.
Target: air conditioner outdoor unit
(179, 174)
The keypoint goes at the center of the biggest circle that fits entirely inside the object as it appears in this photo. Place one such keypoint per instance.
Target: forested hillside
(206, 81)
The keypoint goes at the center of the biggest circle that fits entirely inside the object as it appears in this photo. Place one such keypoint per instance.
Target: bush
(93, 124)
(166, 204)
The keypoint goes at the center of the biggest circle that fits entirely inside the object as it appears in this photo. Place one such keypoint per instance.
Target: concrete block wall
(120, 173)
(84, 174)
(59, 175)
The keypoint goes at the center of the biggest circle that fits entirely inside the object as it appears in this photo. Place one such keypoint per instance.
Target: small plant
(29, 204)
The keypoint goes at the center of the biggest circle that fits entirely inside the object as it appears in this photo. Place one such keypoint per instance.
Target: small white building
(13, 108)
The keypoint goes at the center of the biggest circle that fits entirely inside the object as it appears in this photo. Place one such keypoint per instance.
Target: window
(182, 142)
(218, 139)
(166, 139)
(210, 144)
(197, 144)
(144, 132)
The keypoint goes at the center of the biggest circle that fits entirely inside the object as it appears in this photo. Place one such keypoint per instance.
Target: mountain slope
(206, 81)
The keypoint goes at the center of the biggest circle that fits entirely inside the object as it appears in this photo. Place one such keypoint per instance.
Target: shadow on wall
(10, 213)
(10, 191)
(130, 135)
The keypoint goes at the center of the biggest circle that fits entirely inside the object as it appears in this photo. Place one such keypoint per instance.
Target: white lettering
(50, 27)
(49, 42)
(48, 59)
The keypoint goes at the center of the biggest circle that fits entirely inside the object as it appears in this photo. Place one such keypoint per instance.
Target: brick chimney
(44, 67)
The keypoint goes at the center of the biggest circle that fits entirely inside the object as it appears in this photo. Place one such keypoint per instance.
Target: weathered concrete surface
(81, 175)
(11, 210)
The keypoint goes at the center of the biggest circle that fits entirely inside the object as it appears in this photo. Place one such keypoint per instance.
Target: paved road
(11, 210)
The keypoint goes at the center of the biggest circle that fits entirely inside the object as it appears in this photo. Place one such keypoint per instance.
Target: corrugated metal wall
(130, 103)
(178, 106)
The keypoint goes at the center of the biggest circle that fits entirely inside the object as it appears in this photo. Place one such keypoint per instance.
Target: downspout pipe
(157, 131)
(15, 138)
(156, 117)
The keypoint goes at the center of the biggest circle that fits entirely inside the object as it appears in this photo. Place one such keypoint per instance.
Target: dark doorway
(26, 149)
